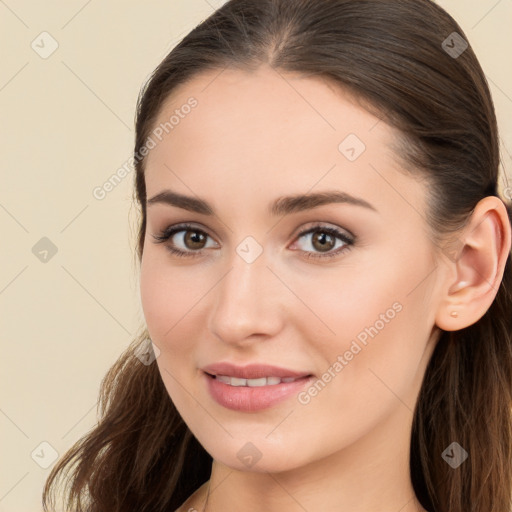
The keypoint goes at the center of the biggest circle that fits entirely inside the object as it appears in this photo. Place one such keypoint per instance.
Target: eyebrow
(284, 205)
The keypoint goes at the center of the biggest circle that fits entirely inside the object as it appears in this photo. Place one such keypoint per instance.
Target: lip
(252, 371)
(253, 399)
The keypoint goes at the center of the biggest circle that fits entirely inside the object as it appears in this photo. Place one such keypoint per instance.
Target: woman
(325, 274)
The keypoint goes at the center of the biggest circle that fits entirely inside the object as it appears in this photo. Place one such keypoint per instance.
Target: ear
(478, 266)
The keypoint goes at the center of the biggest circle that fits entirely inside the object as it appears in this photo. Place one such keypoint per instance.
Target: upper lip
(252, 371)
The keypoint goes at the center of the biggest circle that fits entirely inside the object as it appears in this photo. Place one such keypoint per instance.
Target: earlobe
(478, 266)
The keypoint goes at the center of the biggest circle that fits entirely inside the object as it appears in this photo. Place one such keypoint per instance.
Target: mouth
(254, 373)
(252, 395)
(257, 382)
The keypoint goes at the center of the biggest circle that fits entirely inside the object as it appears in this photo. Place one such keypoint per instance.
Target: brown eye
(184, 240)
(194, 240)
(323, 241)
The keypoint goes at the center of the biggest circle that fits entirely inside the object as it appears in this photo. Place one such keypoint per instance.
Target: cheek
(174, 302)
(155, 299)
(376, 319)
(165, 293)
(344, 304)
(167, 298)
(372, 369)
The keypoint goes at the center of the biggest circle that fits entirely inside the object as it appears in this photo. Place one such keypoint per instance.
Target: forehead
(269, 133)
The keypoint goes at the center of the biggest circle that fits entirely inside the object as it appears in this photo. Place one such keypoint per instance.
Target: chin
(256, 454)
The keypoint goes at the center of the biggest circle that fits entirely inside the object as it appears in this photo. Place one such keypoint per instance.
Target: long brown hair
(402, 61)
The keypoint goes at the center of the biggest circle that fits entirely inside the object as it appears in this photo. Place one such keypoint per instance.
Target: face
(343, 292)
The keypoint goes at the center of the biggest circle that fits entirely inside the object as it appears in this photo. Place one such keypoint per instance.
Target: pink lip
(252, 399)
(251, 371)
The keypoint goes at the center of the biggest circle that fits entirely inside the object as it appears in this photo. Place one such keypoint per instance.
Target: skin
(252, 138)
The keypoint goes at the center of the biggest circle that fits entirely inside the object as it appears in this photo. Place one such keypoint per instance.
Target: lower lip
(251, 399)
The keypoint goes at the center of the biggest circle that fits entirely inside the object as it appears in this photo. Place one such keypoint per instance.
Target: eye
(189, 244)
(324, 239)
(192, 241)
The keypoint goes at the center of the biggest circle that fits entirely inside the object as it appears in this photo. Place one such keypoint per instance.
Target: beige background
(67, 126)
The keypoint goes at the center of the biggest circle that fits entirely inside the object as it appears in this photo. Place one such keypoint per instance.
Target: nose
(249, 303)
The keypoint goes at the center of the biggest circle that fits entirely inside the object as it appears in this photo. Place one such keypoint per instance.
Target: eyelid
(318, 225)
(181, 226)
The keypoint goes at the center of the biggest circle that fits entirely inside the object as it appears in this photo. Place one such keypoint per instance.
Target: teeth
(256, 382)
(253, 383)
(234, 381)
(226, 380)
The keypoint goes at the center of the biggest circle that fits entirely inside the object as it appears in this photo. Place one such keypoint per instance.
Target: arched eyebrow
(284, 205)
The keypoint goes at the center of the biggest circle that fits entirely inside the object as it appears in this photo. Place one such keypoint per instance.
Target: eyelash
(164, 235)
